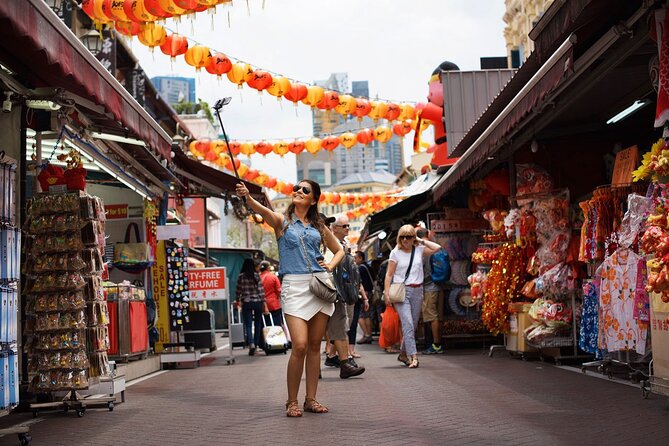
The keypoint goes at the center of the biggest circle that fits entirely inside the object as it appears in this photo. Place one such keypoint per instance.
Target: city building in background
(520, 17)
(175, 89)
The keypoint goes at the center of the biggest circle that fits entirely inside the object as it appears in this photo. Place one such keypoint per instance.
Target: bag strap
(369, 275)
(127, 232)
(306, 256)
(406, 276)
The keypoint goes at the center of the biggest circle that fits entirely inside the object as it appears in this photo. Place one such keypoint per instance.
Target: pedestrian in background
(432, 301)
(367, 311)
(402, 268)
(251, 295)
(300, 233)
(272, 287)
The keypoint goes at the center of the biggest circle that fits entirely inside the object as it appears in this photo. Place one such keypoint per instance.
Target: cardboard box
(519, 321)
(659, 335)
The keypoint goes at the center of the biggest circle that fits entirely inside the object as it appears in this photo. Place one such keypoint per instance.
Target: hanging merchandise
(504, 284)
(66, 330)
(177, 285)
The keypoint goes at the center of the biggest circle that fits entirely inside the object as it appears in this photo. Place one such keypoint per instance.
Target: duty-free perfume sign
(207, 284)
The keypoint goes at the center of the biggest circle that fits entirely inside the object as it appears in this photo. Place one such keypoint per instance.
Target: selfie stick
(217, 107)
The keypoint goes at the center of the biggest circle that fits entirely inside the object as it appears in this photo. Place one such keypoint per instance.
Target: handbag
(321, 283)
(397, 291)
(132, 256)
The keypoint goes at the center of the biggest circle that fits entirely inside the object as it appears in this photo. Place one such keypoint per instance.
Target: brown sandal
(293, 409)
(404, 359)
(414, 363)
(313, 406)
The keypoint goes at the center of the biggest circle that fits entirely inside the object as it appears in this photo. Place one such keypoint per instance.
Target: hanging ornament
(362, 108)
(174, 45)
(251, 174)
(152, 36)
(218, 147)
(330, 100)
(137, 12)
(198, 56)
(402, 128)
(235, 147)
(171, 7)
(154, 8)
(382, 134)
(378, 110)
(296, 147)
(392, 111)
(218, 64)
(296, 92)
(348, 140)
(313, 145)
(264, 148)
(247, 149)
(407, 111)
(116, 11)
(271, 182)
(128, 28)
(237, 73)
(365, 136)
(281, 148)
(260, 80)
(280, 85)
(330, 143)
(315, 95)
(199, 147)
(346, 105)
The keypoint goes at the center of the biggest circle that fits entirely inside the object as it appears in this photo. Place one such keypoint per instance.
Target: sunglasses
(305, 189)
(344, 226)
(407, 237)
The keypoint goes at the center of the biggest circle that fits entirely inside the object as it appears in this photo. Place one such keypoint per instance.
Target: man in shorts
(432, 303)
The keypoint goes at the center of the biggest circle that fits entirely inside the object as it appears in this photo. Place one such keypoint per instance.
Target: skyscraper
(329, 167)
(175, 89)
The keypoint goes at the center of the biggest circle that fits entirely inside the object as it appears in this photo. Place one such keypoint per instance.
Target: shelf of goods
(66, 328)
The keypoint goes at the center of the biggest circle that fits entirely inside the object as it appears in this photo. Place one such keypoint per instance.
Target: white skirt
(298, 301)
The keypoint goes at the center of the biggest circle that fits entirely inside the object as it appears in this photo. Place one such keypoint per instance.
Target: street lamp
(92, 41)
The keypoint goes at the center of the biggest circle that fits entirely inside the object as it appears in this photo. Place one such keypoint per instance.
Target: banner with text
(207, 284)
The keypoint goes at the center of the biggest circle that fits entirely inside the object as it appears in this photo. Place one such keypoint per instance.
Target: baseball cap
(328, 220)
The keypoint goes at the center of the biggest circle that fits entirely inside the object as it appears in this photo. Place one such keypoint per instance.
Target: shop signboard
(457, 225)
(626, 161)
(659, 335)
(207, 284)
(107, 55)
(116, 211)
(195, 216)
(159, 283)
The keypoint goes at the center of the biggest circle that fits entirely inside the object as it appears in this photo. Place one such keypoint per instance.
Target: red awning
(43, 50)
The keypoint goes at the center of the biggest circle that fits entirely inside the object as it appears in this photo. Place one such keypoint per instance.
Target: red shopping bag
(391, 332)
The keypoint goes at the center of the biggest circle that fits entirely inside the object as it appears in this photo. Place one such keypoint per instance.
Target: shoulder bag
(321, 283)
(397, 291)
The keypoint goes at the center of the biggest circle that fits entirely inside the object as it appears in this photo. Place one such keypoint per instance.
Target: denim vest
(291, 251)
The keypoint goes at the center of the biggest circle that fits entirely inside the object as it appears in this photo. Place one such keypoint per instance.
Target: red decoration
(260, 80)
(174, 45)
(270, 182)
(393, 111)
(330, 143)
(365, 136)
(296, 147)
(219, 64)
(235, 147)
(362, 108)
(296, 92)
(75, 178)
(154, 8)
(51, 175)
(264, 148)
(330, 100)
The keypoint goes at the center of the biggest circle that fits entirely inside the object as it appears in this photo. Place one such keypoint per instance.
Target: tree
(192, 108)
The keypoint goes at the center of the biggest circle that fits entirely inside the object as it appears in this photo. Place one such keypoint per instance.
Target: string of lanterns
(142, 12)
(239, 73)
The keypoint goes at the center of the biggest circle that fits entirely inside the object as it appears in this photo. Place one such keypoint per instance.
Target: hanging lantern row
(370, 208)
(262, 179)
(141, 12)
(210, 150)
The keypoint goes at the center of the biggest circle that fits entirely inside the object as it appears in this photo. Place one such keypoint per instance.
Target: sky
(394, 45)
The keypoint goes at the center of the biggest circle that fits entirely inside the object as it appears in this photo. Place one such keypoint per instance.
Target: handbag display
(132, 256)
(321, 283)
(397, 291)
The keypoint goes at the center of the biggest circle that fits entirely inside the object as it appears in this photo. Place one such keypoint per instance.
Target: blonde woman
(398, 272)
(300, 233)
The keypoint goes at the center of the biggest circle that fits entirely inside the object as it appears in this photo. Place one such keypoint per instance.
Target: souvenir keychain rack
(67, 316)
(10, 247)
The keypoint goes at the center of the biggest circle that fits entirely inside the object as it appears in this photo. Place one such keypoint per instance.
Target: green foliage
(192, 108)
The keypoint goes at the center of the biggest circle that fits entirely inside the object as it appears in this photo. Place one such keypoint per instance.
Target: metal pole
(206, 234)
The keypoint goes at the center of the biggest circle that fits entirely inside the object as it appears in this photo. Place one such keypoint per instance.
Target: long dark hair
(249, 269)
(312, 213)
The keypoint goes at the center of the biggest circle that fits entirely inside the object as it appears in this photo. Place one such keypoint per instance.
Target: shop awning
(47, 54)
(490, 138)
(213, 182)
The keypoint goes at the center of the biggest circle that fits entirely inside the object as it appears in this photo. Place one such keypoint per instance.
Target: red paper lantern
(154, 7)
(235, 147)
(218, 64)
(330, 143)
(199, 147)
(188, 5)
(330, 100)
(296, 93)
(336, 198)
(393, 111)
(296, 147)
(137, 12)
(270, 182)
(362, 108)
(264, 148)
(128, 28)
(260, 80)
(402, 128)
(174, 45)
(287, 189)
(365, 136)
(252, 174)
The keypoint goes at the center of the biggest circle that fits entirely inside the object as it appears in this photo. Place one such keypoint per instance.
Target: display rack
(66, 327)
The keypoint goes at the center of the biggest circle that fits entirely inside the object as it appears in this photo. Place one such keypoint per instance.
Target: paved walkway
(461, 397)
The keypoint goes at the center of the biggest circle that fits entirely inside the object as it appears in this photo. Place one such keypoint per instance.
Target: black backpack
(347, 280)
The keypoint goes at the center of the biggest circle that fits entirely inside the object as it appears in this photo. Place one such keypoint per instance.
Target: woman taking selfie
(300, 233)
(405, 265)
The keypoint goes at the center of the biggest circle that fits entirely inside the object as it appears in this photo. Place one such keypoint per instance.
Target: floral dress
(618, 329)
(589, 330)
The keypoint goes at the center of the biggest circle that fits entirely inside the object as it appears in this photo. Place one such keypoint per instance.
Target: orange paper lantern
(171, 7)
(348, 140)
(242, 169)
(296, 92)
(238, 73)
(251, 174)
(382, 134)
(330, 100)
(154, 8)
(137, 12)
(392, 112)
(152, 36)
(378, 110)
(128, 28)
(314, 95)
(174, 45)
(218, 147)
(280, 85)
(362, 108)
(218, 64)
(271, 182)
(402, 128)
(313, 145)
(260, 80)
(281, 148)
(407, 111)
(296, 147)
(287, 189)
(235, 147)
(199, 147)
(198, 56)
(247, 149)
(346, 105)
(365, 136)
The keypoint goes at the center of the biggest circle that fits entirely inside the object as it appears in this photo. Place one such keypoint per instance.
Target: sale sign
(207, 284)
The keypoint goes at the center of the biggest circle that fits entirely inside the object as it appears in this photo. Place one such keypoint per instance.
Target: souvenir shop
(569, 174)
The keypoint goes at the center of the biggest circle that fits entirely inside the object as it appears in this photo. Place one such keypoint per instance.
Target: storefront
(568, 226)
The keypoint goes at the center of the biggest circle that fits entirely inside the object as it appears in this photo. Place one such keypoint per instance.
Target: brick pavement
(460, 398)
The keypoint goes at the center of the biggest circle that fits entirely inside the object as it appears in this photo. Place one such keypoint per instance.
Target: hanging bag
(321, 283)
(132, 256)
(397, 291)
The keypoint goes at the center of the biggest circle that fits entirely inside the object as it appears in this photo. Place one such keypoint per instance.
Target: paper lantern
(95, 9)
(171, 7)
(128, 28)
(154, 8)
(174, 45)
(199, 147)
(402, 128)
(330, 100)
(350, 215)
(314, 95)
(198, 56)
(378, 110)
(365, 136)
(330, 143)
(336, 198)
(350, 199)
(235, 147)
(392, 111)
(115, 11)
(364, 198)
(346, 105)
(287, 189)
(271, 182)
(218, 147)
(281, 148)
(211, 155)
(187, 5)
(260, 80)
(88, 6)
(228, 164)
(242, 169)
(280, 85)
(321, 199)
(251, 174)
(296, 147)
(296, 92)
(264, 148)
(362, 108)
(209, 3)
(237, 73)
(407, 111)
(382, 134)
(137, 12)
(152, 36)
(348, 140)
(247, 149)
(313, 145)
(279, 186)
(218, 64)
(260, 179)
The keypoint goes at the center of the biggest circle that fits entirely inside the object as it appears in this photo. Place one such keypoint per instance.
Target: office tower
(175, 89)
